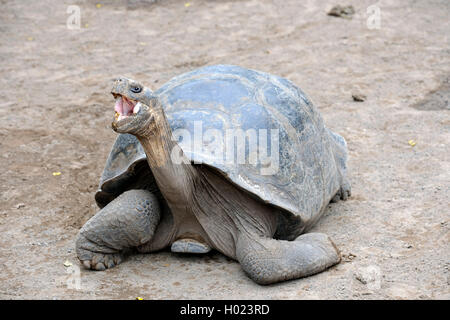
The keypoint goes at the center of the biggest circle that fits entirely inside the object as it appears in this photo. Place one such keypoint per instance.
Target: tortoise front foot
(95, 260)
(269, 261)
(126, 222)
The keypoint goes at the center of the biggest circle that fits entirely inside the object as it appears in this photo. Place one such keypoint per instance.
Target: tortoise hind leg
(340, 151)
(344, 192)
(268, 261)
(126, 222)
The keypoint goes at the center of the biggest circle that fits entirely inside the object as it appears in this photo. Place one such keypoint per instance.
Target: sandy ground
(56, 110)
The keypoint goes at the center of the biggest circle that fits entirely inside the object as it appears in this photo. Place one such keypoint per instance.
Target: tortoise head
(134, 109)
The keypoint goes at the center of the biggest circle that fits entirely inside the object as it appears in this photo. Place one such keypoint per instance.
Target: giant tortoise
(222, 158)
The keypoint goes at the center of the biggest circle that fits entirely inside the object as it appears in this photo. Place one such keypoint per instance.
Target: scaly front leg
(126, 222)
(269, 261)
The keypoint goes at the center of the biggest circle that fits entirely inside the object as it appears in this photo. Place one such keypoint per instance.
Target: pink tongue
(127, 107)
(119, 105)
(123, 106)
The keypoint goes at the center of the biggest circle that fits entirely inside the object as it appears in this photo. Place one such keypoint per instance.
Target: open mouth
(124, 107)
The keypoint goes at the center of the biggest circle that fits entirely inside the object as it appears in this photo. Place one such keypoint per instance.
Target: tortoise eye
(136, 89)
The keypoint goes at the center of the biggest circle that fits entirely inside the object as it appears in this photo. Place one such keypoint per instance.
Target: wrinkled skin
(199, 206)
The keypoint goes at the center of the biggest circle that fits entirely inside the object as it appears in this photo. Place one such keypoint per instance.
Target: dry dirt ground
(56, 110)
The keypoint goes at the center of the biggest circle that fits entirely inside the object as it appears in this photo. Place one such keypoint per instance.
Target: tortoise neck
(157, 142)
(171, 168)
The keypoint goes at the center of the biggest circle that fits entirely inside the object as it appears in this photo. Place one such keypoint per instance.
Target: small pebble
(342, 11)
(359, 97)
(20, 205)
(360, 278)
(348, 257)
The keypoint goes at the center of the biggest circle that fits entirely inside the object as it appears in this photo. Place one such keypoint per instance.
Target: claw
(110, 264)
(117, 259)
(100, 266)
(87, 264)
